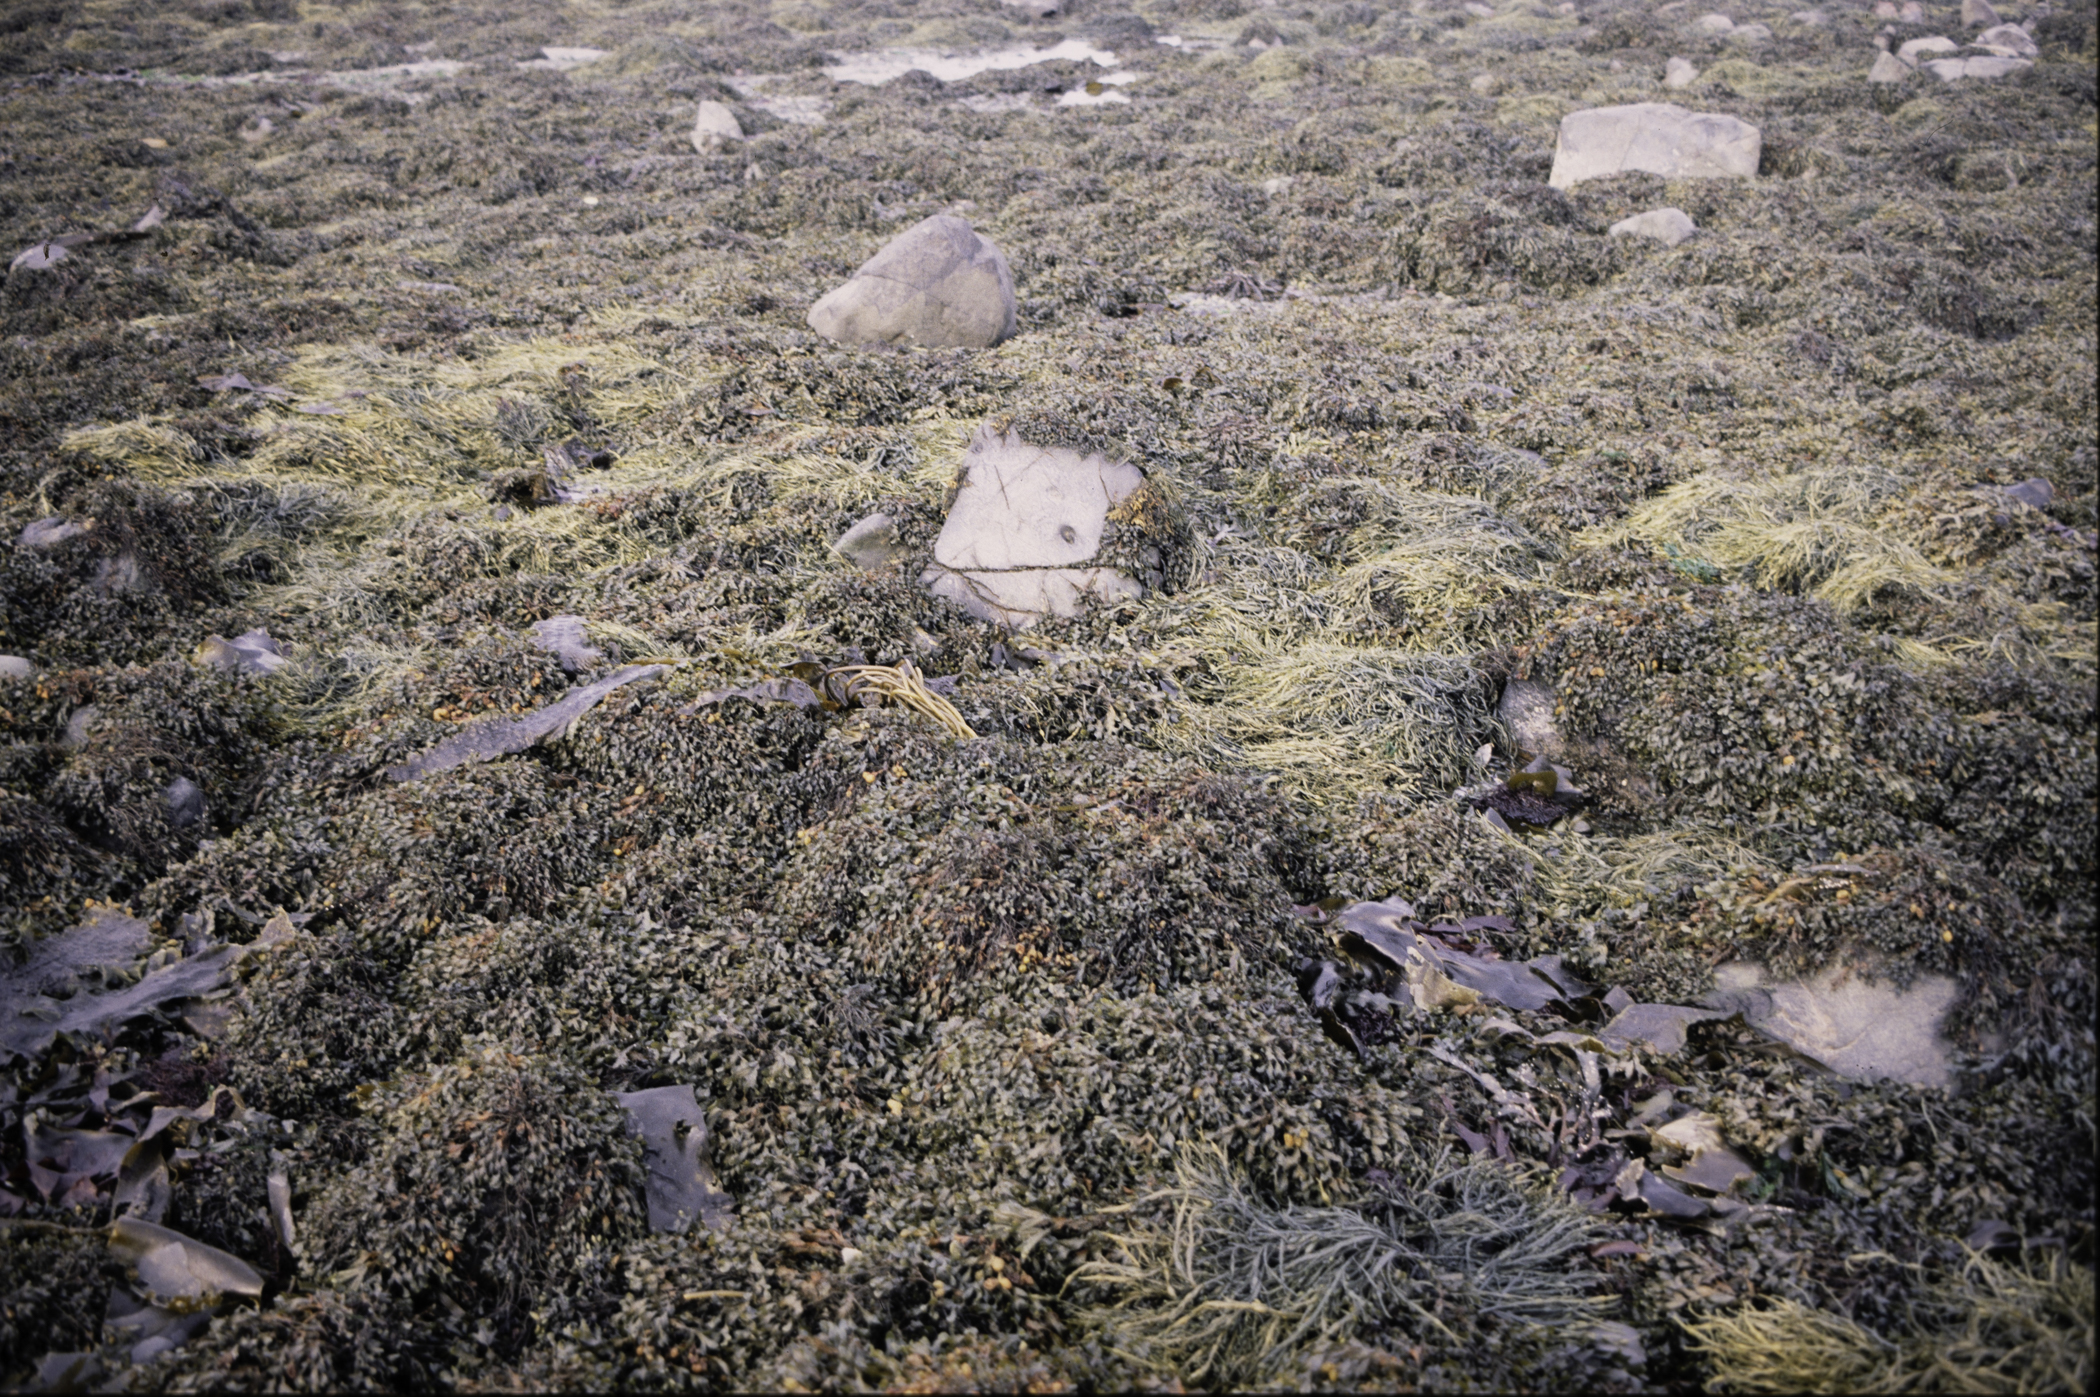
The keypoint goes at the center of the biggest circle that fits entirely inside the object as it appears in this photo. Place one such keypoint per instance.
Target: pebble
(1657, 137)
(939, 283)
(48, 533)
(870, 545)
(715, 127)
(1667, 225)
(16, 667)
(1024, 528)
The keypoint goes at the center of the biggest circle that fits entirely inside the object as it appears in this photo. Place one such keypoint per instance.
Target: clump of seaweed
(1234, 1291)
(1984, 1326)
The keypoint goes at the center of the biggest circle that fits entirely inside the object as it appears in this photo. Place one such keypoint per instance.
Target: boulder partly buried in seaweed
(939, 283)
(1660, 138)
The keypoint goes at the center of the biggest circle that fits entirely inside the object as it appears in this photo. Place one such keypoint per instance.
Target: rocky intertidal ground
(962, 694)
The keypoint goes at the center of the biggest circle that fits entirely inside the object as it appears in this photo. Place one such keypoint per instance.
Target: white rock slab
(1666, 225)
(1975, 66)
(1659, 138)
(1858, 1030)
(2007, 41)
(714, 127)
(1022, 534)
(1679, 72)
(1888, 68)
(939, 283)
(16, 667)
(1916, 51)
(878, 66)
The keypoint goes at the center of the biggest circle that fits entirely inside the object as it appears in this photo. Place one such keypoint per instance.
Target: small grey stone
(1660, 138)
(122, 576)
(1749, 34)
(252, 652)
(79, 726)
(1888, 68)
(185, 802)
(1916, 51)
(938, 283)
(15, 667)
(1526, 710)
(714, 127)
(564, 636)
(1978, 14)
(1679, 72)
(45, 533)
(2035, 493)
(1715, 24)
(1667, 225)
(871, 544)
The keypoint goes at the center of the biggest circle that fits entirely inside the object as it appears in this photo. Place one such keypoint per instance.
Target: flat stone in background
(1660, 138)
(1981, 65)
(939, 283)
(1667, 225)
(1024, 528)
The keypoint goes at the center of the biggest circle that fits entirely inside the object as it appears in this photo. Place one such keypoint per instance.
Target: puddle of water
(879, 66)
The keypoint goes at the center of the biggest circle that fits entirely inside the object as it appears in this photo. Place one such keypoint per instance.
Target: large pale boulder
(938, 283)
(1020, 541)
(2007, 41)
(1667, 225)
(1659, 138)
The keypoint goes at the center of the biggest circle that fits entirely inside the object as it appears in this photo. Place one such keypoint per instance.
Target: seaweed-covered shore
(1036, 1012)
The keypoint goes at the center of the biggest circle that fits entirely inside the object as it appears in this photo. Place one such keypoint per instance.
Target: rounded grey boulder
(939, 283)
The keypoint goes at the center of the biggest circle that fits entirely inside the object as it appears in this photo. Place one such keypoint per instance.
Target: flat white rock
(1659, 138)
(714, 127)
(1916, 51)
(1679, 72)
(1976, 66)
(1667, 225)
(939, 283)
(2007, 41)
(1715, 24)
(1024, 529)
